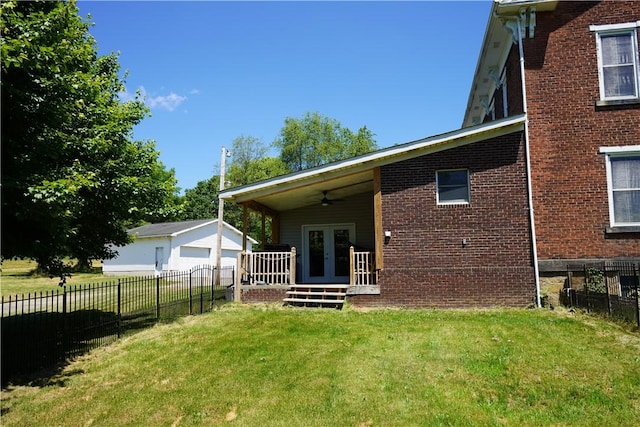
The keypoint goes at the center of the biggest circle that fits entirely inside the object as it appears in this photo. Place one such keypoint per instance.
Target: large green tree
(73, 177)
(250, 163)
(314, 140)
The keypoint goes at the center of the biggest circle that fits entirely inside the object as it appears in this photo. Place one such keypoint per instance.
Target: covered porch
(325, 237)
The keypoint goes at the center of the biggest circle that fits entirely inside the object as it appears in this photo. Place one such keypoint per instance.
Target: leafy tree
(201, 201)
(73, 179)
(250, 163)
(315, 140)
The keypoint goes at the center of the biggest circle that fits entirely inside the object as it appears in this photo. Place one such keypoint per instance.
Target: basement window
(452, 187)
(618, 63)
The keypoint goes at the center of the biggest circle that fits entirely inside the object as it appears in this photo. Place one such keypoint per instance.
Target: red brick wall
(425, 261)
(566, 130)
(263, 294)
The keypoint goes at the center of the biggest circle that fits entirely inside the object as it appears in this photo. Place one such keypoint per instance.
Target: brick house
(545, 171)
(581, 79)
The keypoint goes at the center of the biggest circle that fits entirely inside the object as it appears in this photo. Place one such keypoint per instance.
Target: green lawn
(272, 366)
(19, 277)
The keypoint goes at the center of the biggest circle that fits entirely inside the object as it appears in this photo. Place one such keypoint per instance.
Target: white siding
(138, 257)
(182, 252)
(357, 209)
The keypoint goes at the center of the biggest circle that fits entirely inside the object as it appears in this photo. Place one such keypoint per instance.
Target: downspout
(528, 157)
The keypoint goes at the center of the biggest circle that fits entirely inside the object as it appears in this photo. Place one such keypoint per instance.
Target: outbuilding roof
(172, 229)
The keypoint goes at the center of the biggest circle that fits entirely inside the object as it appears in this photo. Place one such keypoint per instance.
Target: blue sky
(212, 71)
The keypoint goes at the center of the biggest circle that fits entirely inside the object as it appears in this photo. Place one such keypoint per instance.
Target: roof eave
(378, 158)
(495, 33)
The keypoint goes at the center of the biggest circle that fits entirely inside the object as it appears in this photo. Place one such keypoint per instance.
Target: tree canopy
(250, 163)
(314, 140)
(73, 178)
(310, 141)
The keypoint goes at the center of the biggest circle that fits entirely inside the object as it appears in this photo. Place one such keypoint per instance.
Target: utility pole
(223, 157)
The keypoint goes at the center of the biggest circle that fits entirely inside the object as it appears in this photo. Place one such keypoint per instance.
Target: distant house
(543, 174)
(176, 246)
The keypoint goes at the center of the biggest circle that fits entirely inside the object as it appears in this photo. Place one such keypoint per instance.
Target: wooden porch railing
(363, 269)
(267, 268)
(279, 268)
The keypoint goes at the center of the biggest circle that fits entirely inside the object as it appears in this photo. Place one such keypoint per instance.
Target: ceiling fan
(326, 201)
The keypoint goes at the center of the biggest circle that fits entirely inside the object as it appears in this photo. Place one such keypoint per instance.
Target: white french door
(326, 252)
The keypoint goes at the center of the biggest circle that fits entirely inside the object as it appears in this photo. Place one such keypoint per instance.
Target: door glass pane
(341, 252)
(316, 253)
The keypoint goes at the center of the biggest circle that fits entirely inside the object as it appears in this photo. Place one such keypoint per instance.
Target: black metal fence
(610, 288)
(43, 330)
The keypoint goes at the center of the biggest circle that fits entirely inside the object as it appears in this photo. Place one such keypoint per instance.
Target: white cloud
(125, 96)
(194, 92)
(169, 102)
(162, 102)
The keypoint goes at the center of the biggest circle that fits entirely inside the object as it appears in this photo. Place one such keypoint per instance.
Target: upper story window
(623, 179)
(618, 63)
(453, 186)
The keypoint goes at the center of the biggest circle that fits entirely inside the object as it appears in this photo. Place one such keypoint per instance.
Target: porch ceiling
(300, 194)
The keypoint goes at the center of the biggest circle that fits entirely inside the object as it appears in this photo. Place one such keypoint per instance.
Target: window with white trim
(618, 63)
(452, 187)
(623, 180)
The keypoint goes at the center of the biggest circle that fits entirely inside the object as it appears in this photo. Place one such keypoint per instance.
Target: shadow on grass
(37, 347)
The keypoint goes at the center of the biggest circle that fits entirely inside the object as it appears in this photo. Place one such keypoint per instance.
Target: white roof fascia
(487, 36)
(236, 231)
(382, 157)
(215, 221)
(499, 10)
(186, 230)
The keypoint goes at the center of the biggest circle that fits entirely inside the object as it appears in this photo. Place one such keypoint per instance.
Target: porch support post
(245, 224)
(263, 236)
(292, 267)
(274, 215)
(352, 266)
(377, 218)
(237, 288)
(275, 228)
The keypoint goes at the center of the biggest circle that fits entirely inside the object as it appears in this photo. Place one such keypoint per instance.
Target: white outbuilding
(176, 246)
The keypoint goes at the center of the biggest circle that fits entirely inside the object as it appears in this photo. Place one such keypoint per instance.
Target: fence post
(190, 293)
(569, 285)
(213, 288)
(586, 288)
(119, 310)
(637, 271)
(606, 285)
(158, 297)
(65, 325)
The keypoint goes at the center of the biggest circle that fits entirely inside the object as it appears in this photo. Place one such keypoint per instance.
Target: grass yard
(18, 277)
(273, 366)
